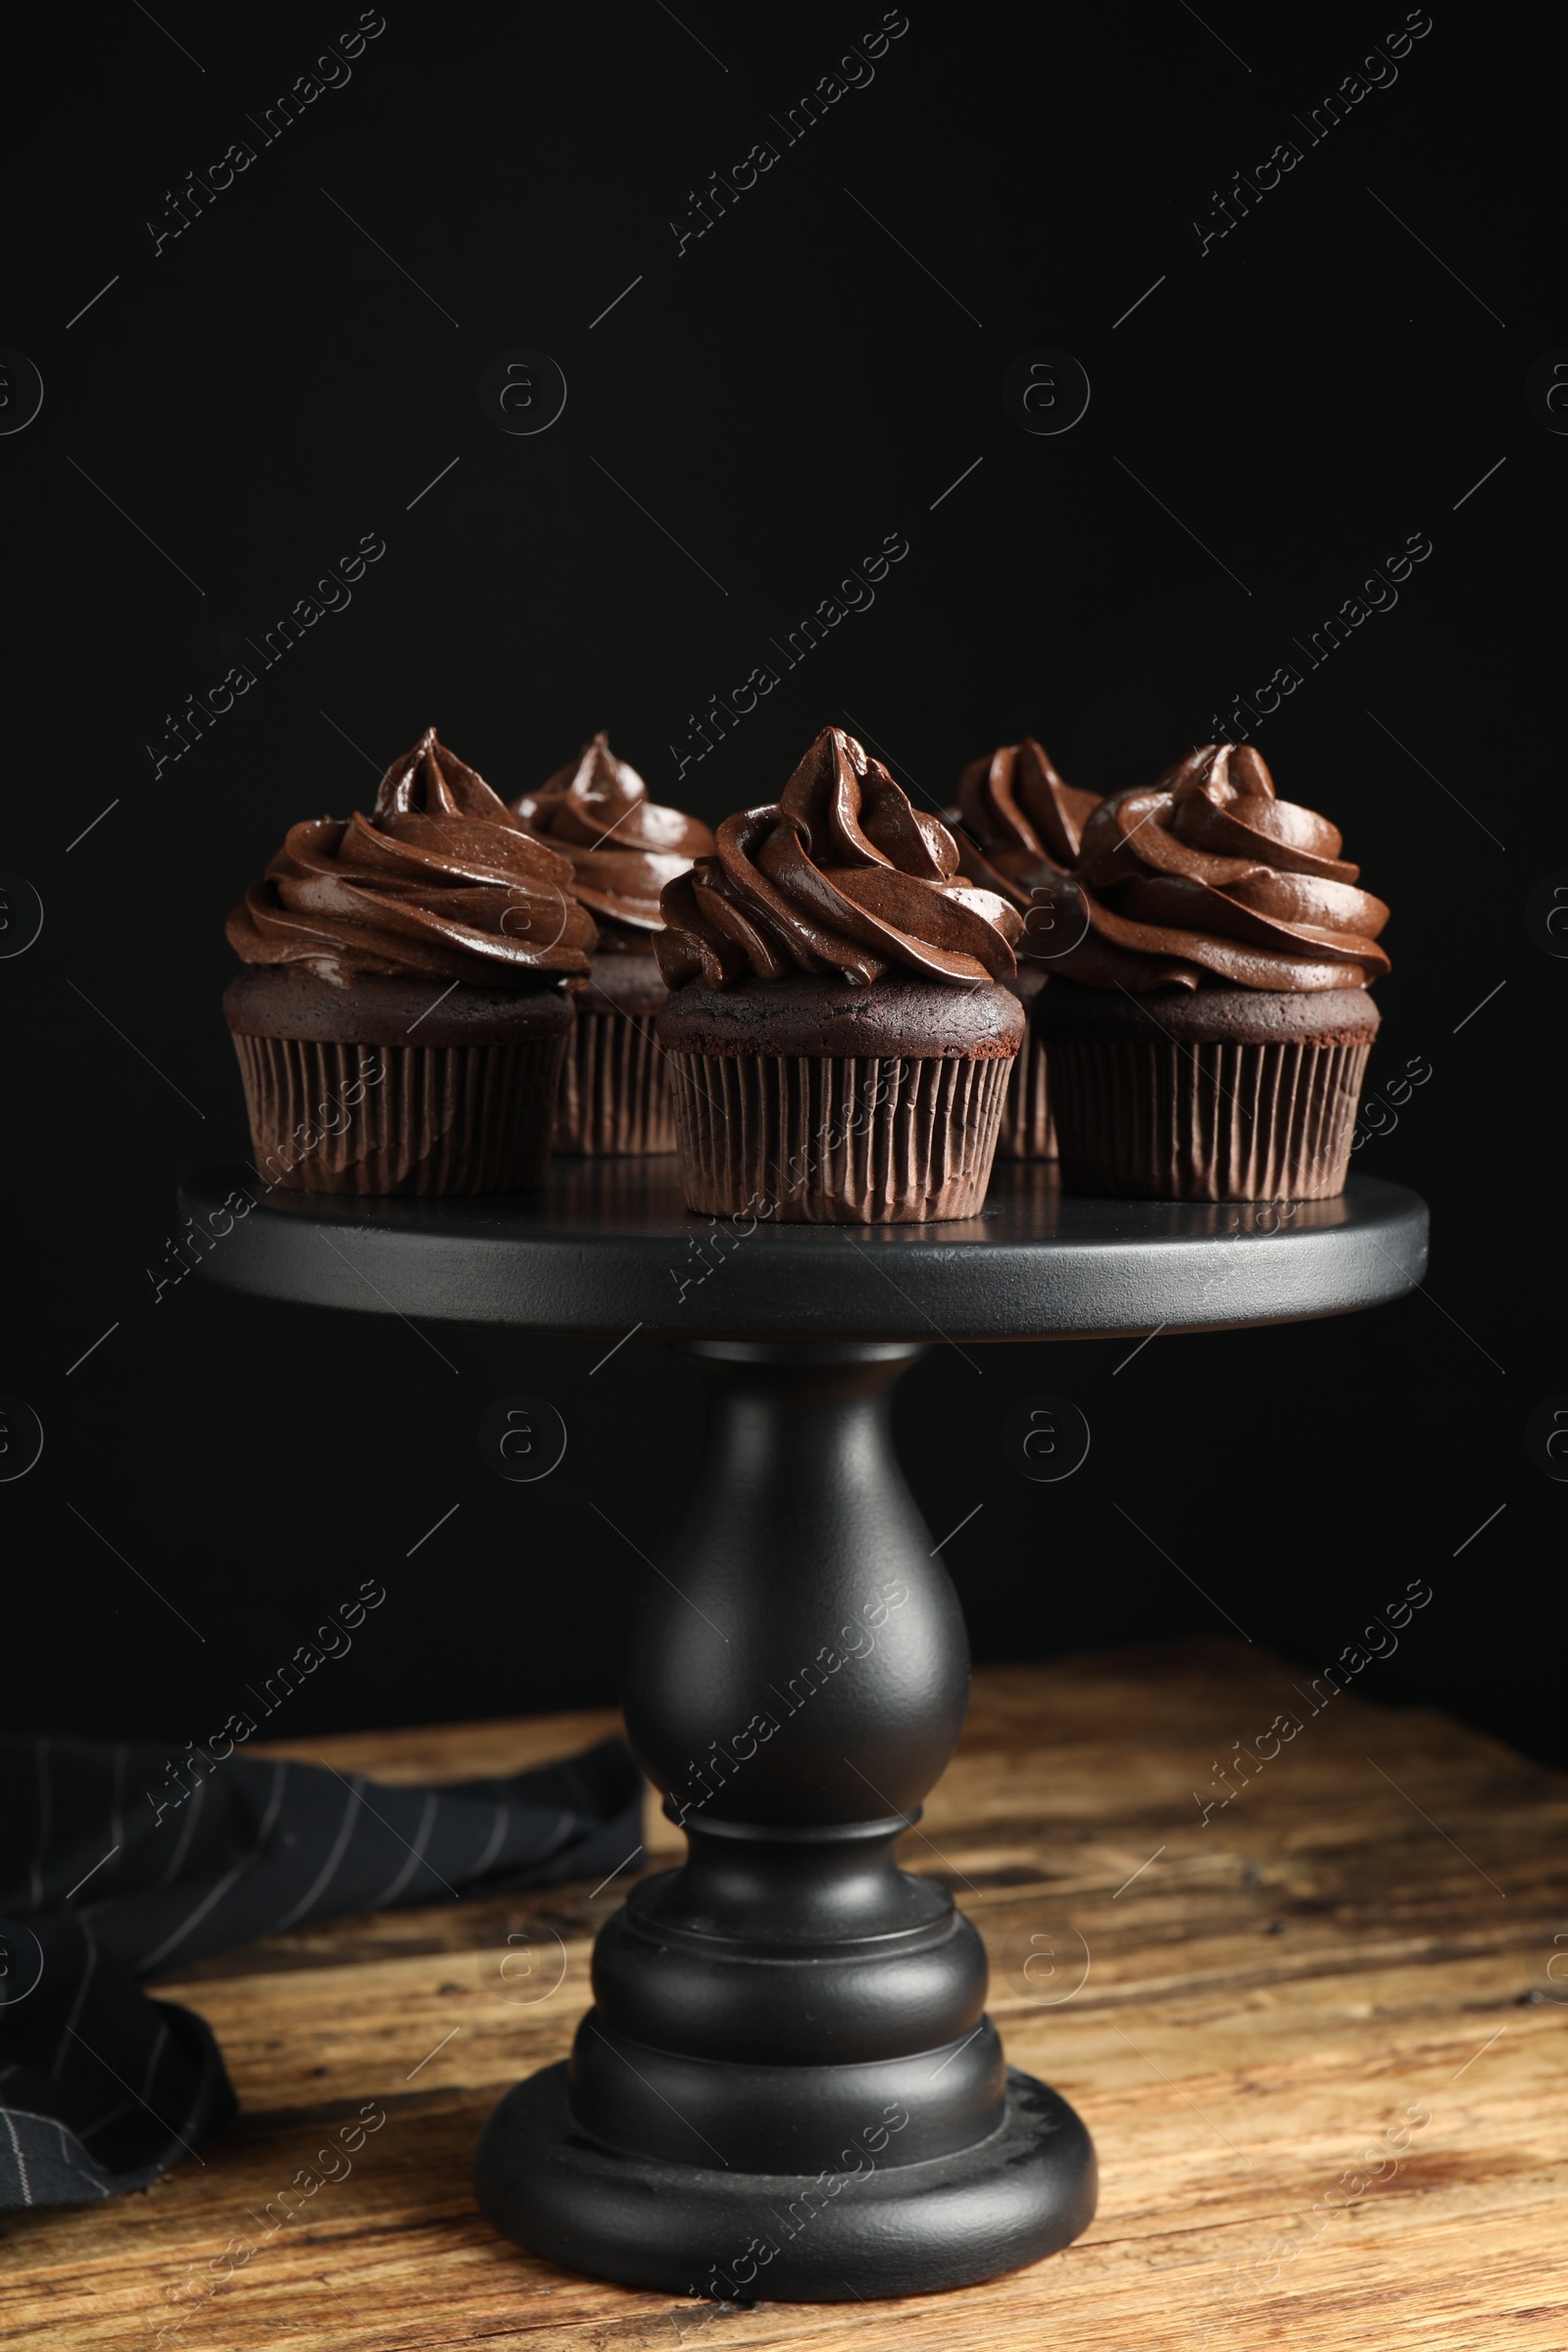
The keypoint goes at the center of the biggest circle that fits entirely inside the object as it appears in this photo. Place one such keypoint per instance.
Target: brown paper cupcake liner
(827, 1139)
(1026, 1131)
(1144, 1118)
(331, 1117)
(615, 1088)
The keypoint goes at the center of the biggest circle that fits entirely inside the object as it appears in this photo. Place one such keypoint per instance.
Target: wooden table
(1318, 2040)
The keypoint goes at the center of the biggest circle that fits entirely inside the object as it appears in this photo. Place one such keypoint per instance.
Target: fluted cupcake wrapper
(614, 1087)
(1144, 1118)
(1026, 1131)
(829, 1139)
(329, 1117)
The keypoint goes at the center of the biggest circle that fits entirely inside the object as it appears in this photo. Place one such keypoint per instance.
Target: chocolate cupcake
(1208, 1027)
(841, 1030)
(1018, 827)
(403, 1011)
(623, 847)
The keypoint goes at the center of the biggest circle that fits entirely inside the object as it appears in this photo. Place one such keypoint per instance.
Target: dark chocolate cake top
(438, 881)
(1207, 877)
(1019, 811)
(839, 875)
(1017, 825)
(622, 846)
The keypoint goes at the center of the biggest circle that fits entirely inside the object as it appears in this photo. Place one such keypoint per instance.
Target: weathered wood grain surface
(1320, 2042)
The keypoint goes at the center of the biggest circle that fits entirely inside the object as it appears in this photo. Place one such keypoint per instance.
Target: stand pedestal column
(788, 2089)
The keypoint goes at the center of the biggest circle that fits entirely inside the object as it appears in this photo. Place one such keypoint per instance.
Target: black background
(781, 394)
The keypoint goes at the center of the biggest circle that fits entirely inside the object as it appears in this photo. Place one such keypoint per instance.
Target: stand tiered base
(787, 2087)
(827, 2237)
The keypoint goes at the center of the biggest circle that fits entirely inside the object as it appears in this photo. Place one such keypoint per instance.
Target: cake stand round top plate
(609, 1246)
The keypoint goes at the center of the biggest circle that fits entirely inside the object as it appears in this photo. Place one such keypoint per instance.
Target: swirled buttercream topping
(1205, 876)
(840, 875)
(439, 880)
(1020, 821)
(623, 846)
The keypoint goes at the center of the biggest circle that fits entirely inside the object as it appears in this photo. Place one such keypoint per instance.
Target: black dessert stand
(787, 2086)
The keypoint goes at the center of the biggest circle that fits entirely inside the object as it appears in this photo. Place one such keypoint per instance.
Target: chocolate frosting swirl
(840, 875)
(1205, 876)
(1020, 821)
(582, 806)
(1018, 827)
(440, 881)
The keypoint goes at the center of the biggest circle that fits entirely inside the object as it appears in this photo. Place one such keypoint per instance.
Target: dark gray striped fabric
(102, 2087)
